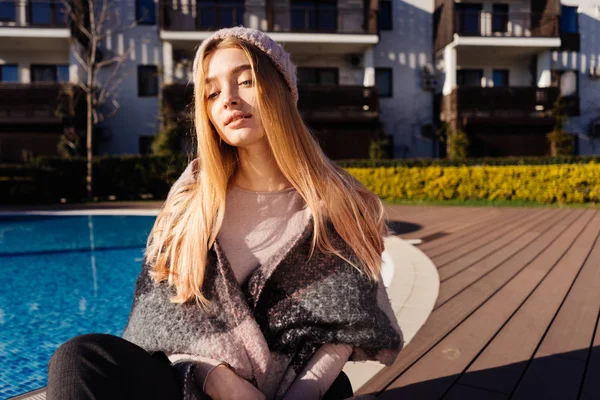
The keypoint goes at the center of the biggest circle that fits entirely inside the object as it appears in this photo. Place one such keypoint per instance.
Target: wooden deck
(518, 309)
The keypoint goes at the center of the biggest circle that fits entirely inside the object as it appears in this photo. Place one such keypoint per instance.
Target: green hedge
(442, 162)
(48, 180)
(545, 184)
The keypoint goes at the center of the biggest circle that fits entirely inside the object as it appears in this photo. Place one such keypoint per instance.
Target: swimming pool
(62, 276)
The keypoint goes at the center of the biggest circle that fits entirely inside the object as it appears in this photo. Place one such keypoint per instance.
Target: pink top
(254, 226)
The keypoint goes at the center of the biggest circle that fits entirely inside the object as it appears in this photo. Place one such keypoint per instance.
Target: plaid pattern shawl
(268, 328)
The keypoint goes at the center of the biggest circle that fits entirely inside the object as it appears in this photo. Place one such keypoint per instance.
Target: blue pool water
(62, 276)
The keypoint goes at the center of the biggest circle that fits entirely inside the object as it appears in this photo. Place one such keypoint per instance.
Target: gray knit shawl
(268, 328)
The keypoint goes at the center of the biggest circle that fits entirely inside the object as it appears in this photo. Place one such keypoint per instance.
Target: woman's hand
(223, 383)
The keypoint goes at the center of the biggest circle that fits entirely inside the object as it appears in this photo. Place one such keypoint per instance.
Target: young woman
(261, 274)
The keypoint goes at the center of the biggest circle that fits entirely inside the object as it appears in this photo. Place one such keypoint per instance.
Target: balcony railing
(320, 18)
(33, 14)
(502, 102)
(317, 103)
(513, 24)
(179, 16)
(347, 103)
(325, 18)
(41, 102)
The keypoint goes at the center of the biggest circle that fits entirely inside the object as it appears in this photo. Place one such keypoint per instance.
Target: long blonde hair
(191, 217)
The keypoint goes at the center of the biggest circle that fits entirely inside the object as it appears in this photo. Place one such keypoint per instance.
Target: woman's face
(231, 100)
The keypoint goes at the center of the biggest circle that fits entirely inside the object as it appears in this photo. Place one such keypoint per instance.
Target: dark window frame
(501, 18)
(153, 69)
(318, 8)
(2, 66)
(13, 7)
(138, 13)
(217, 8)
(317, 74)
(390, 89)
(459, 78)
(386, 24)
(33, 67)
(54, 8)
(464, 13)
(503, 71)
(563, 22)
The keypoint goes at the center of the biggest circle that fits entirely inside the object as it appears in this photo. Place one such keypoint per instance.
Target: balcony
(501, 24)
(40, 103)
(316, 103)
(33, 14)
(466, 24)
(338, 103)
(321, 18)
(525, 105)
(33, 25)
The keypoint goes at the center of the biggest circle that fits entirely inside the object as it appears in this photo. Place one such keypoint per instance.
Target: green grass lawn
(487, 203)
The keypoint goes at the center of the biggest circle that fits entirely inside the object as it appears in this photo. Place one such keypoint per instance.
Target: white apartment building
(491, 68)
(502, 64)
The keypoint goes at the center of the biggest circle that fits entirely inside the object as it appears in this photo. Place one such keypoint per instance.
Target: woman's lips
(239, 123)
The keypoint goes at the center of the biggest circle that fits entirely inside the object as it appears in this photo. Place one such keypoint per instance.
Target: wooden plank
(444, 319)
(500, 366)
(443, 364)
(483, 226)
(476, 249)
(469, 233)
(486, 243)
(474, 271)
(463, 392)
(569, 336)
(442, 221)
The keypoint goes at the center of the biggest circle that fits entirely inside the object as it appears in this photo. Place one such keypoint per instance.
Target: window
(8, 11)
(384, 82)
(50, 73)
(567, 81)
(468, 19)
(500, 18)
(318, 76)
(145, 12)
(147, 80)
(385, 15)
(500, 78)
(213, 14)
(568, 19)
(469, 77)
(47, 13)
(9, 73)
(314, 15)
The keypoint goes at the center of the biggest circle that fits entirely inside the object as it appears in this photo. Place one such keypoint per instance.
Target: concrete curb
(413, 285)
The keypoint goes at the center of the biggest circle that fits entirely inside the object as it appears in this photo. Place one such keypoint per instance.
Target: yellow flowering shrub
(562, 183)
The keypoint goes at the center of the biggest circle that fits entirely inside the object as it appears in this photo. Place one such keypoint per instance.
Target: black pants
(97, 366)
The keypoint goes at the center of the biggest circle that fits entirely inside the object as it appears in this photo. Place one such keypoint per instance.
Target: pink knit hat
(281, 59)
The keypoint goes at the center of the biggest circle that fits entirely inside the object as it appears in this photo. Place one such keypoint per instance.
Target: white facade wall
(588, 57)
(406, 49)
(137, 116)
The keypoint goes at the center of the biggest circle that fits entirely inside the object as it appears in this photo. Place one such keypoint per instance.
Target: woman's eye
(213, 95)
(248, 82)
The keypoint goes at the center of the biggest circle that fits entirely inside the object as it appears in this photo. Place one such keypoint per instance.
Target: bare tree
(93, 21)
